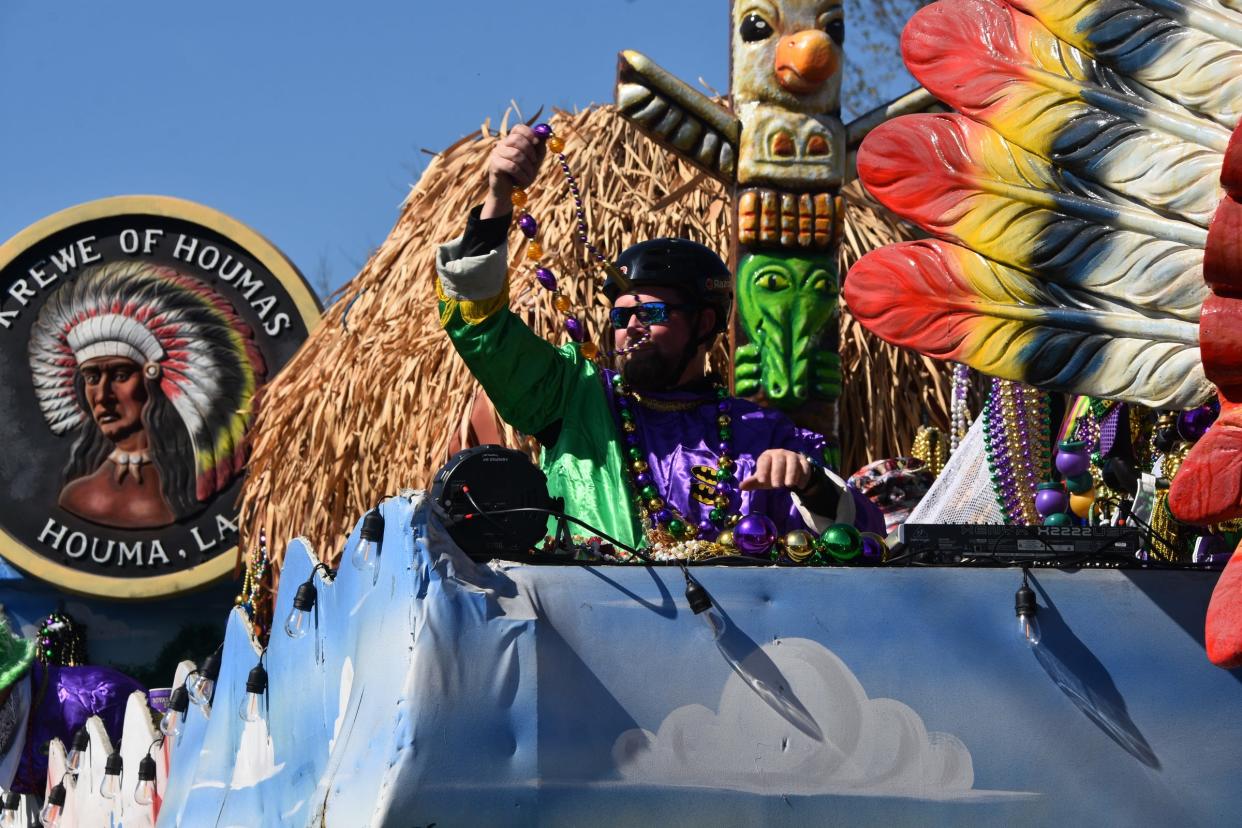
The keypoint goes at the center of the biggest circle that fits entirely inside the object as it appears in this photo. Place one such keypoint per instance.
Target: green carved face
(788, 306)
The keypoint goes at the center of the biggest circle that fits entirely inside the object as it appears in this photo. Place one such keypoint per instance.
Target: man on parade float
(700, 461)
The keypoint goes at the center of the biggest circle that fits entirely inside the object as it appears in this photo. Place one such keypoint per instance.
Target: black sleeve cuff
(821, 496)
(484, 235)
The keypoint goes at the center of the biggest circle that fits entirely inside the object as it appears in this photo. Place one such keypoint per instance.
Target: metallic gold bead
(629, 427)
(518, 198)
(556, 143)
(798, 545)
(725, 538)
(534, 251)
(722, 501)
(732, 520)
(561, 303)
(723, 420)
(639, 466)
(655, 504)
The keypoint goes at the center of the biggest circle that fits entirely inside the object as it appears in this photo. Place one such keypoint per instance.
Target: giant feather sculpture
(1082, 204)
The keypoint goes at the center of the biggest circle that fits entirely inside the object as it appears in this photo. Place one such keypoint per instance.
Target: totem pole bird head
(788, 53)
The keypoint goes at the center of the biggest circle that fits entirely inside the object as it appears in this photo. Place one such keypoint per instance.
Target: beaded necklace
(1015, 431)
(534, 250)
(662, 522)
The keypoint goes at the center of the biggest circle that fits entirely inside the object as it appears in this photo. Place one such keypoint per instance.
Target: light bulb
(110, 787)
(1026, 608)
(369, 539)
(52, 808)
(144, 791)
(299, 619)
(172, 724)
(200, 689)
(81, 741)
(201, 685)
(173, 721)
(701, 604)
(365, 554)
(1028, 626)
(251, 709)
(715, 622)
(11, 802)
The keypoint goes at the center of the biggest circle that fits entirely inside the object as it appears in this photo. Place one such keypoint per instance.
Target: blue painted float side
(573, 695)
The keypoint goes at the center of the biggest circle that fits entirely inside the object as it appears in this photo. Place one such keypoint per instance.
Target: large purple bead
(574, 327)
(663, 516)
(707, 530)
(754, 535)
(1073, 458)
(528, 225)
(1050, 499)
(546, 278)
(643, 479)
(542, 130)
(873, 549)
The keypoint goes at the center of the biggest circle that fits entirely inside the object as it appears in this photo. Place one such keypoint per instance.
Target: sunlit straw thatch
(374, 398)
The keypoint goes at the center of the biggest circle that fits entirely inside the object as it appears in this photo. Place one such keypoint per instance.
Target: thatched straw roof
(372, 401)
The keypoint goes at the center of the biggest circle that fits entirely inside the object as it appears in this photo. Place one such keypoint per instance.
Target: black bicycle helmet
(677, 263)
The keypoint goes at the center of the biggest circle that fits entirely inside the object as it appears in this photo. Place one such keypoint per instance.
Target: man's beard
(649, 370)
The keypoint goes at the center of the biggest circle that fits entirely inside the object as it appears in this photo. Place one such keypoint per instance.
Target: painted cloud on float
(870, 746)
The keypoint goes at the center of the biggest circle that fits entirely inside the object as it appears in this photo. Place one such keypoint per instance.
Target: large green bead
(1057, 519)
(1079, 483)
(676, 528)
(723, 474)
(648, 492)
(627, 415)
(635, 453)
(842, 541)
(716, 514)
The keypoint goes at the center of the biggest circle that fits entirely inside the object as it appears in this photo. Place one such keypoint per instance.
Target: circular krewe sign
(136, 335)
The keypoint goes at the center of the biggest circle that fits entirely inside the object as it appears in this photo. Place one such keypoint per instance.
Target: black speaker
(495, 478)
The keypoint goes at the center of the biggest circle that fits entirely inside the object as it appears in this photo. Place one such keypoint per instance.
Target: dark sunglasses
(648, 313)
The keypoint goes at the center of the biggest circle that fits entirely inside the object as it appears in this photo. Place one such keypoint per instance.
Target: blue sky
(305, 120)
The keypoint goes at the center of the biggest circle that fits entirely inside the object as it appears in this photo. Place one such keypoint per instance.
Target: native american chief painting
(157, 375)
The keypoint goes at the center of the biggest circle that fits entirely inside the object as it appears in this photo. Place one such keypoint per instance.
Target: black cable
(560, 516)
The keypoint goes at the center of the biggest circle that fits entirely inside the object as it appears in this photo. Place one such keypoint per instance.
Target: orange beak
(805, 60)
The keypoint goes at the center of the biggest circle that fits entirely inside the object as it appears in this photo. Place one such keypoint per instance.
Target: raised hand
(514, 162)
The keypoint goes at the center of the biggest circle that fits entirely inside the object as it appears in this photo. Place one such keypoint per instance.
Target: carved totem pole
(783, 149)
(780, 145)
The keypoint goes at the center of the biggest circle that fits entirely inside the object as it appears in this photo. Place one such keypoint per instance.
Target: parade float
(1027, 648)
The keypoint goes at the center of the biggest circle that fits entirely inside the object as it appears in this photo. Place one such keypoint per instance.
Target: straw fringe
(376, 395)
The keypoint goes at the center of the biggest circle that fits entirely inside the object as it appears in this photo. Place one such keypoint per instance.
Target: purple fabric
(679, 441)
(62, 699)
